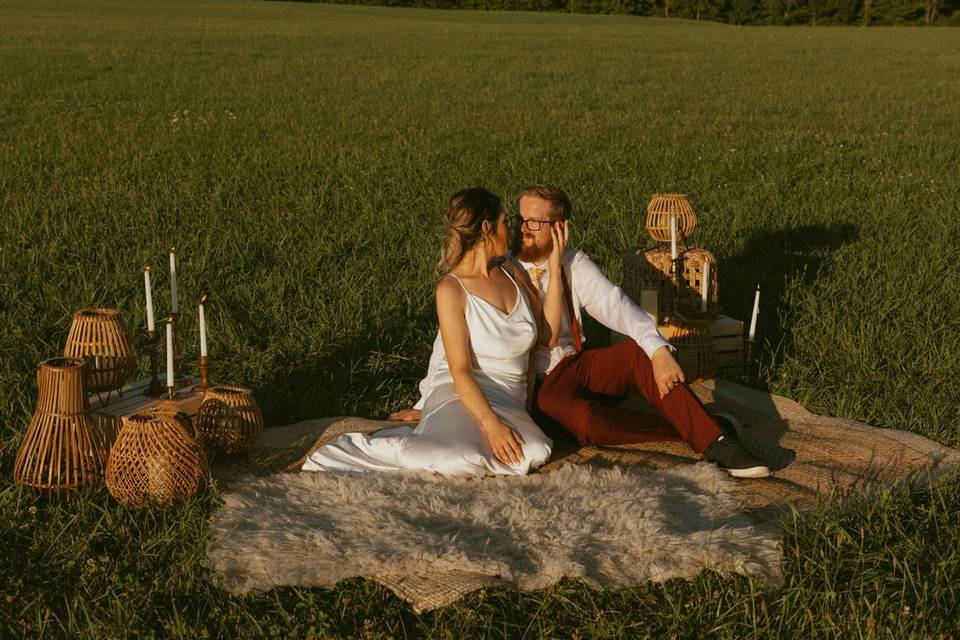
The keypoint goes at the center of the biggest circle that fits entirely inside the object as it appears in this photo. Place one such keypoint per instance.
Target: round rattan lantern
(664, 206)
(229, 419)
(99, 336)
(695, 351)
(653, 269)
(155, 460)
(63, 448)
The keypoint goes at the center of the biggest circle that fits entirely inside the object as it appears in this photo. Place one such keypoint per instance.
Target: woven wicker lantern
(99, 336)
(155, 460)
(229, 419)
(664, 206)
(652, 269)
(63, 448)
(696, 353)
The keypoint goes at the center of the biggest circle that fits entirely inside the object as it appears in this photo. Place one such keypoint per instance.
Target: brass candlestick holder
(679, 281)
(177, 347)
(204, 366)
(152, 344)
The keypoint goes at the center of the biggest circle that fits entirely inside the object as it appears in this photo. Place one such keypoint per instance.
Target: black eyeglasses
(531, 225)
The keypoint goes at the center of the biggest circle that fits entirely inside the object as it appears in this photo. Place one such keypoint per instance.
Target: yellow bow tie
(535, 274)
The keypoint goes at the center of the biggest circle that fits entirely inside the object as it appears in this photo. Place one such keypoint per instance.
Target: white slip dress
(448, 440)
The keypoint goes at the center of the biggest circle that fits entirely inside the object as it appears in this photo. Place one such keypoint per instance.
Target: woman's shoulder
(449, 288)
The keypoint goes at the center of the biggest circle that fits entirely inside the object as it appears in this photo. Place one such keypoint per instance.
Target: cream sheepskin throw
(610, 527)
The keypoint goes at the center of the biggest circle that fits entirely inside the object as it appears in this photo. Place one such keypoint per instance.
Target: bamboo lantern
(664, 206)
(155, 460)
(63, 448)
(695, 351)
(99, 336)
(653, 269)
(229, 419)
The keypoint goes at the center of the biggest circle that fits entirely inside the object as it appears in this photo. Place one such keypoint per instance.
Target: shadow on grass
(774, 258)
(369, 373)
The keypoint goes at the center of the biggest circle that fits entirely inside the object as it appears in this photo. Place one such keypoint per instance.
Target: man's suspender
(568, 298)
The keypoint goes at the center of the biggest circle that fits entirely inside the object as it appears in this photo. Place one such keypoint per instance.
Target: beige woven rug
(807, 453)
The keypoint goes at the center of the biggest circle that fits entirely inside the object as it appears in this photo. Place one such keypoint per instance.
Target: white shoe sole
(749, 472)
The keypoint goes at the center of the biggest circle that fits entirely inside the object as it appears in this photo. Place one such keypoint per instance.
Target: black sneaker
(728, 454)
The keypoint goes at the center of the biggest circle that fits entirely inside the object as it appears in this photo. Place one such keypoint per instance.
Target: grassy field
(299, 157)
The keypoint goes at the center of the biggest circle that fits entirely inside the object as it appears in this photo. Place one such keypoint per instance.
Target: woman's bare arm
(451, 304)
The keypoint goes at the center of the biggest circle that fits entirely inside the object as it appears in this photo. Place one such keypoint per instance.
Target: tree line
(761, 12)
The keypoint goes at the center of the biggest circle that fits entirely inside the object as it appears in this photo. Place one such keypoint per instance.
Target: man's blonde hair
(560, 206)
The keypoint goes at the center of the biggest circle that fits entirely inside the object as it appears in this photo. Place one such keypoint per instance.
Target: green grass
(299, 157)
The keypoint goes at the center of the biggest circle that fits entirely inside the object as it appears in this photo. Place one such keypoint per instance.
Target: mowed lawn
(299, 158)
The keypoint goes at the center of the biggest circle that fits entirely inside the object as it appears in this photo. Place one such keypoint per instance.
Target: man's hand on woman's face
(560, 235)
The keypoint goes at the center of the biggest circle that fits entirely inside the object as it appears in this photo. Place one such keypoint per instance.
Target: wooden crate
(727, 334)
(108, 413)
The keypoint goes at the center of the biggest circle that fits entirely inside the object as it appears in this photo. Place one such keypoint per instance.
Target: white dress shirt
(590, 290)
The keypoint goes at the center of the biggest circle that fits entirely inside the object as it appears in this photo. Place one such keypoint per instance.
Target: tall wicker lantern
(99, 336)
(63, 448)
(155, 460)
(229, 419)
(664, 206)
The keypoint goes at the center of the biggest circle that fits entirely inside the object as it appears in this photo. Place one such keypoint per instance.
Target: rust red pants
(582, 391)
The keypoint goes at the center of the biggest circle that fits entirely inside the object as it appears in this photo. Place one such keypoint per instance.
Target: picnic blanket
(808, 455)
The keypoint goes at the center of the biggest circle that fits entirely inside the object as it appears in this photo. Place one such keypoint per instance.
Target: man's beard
(529, 253)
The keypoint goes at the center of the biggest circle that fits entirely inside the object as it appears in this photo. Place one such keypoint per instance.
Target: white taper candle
(203, 328)
(673, 237)
(173, 281)
(756, 311)
(151, 325)
(704, 285)
(170, 381)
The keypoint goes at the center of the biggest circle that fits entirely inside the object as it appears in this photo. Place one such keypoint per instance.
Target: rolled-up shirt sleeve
(609, 305)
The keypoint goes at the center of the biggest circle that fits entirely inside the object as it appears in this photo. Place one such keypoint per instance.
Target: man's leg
(623, 370)
(592, 417)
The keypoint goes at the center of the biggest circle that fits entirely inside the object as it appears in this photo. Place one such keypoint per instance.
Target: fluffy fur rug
(607, 526)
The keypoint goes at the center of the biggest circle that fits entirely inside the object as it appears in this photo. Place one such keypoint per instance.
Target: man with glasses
(580, 390)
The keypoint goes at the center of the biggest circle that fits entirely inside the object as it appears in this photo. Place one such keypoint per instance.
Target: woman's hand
(504, 441)
(406, 415)
(560, 234)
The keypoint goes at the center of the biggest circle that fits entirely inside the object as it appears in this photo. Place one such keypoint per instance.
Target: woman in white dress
(475, 420)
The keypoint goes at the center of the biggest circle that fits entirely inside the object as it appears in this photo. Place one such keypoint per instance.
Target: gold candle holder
(153, 341)
(177, 347)
(748, 356)
(679, 281)
(204, 366)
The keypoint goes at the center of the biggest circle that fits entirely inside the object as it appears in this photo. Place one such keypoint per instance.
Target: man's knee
(551, 403)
